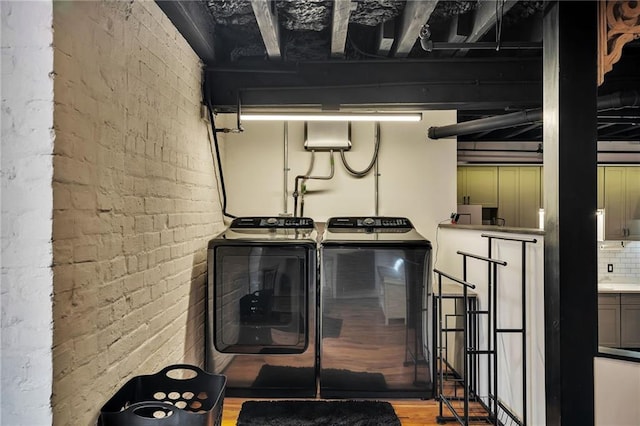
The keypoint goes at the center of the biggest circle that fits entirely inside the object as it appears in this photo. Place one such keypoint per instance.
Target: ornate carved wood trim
(619, 23)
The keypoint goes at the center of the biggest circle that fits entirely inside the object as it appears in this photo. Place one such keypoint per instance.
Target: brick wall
(135, 201)
(26, 172)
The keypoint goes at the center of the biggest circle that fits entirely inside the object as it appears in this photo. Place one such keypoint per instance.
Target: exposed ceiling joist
(415, 15)
(385, 37)
(339, 27)
(268, 24)
(485, 18)
(194, 21)
(459, 28)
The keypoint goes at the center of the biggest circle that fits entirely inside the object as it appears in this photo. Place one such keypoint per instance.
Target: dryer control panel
(257, 222)
(381, 223)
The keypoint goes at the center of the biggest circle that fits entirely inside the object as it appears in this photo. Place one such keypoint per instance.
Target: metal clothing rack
(443, 328)
(522, 330)
(472, 351)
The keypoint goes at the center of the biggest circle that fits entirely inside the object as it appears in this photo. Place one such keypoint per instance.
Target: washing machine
(261, 307)
(375, 319)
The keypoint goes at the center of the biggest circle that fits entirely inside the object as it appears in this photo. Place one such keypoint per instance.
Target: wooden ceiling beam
(460, 28)
(385, 36)
(339, 26)
(268, 24)
(415, 15)
(485, 19)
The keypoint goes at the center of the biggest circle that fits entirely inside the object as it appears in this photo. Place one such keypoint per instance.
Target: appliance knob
(272, 221)
(368, 221)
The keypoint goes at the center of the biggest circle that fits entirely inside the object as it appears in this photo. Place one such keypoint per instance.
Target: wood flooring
(411, 412)
(358, 340)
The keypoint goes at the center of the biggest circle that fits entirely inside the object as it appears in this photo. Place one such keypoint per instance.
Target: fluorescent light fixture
(414, 117)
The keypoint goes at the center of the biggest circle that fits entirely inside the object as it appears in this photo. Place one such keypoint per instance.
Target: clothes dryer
(261, 307)
(375, 321)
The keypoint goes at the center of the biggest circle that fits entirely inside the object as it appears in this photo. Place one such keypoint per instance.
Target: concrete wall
(27, 145)
(134, 201)
(417, 175)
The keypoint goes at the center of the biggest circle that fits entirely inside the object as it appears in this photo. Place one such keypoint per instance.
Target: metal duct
(613, 101)
(484, 124)
(630, 98)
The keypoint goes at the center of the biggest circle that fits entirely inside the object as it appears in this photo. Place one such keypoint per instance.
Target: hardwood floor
(364, 331)
(410, 412)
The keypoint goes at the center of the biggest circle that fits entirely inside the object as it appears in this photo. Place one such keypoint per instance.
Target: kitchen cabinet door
(529, 197)
(461, 185)
(519, 195)
(632, 199)
(630, 321)
(621, 201)
(609, 320)
(478, 185)
(508, 195)
(600, 187)
(614, 203)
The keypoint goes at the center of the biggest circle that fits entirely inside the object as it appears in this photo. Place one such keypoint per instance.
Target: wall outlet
(609, 267)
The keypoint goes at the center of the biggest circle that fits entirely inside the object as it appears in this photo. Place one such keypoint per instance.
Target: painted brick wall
(26, 172)
(135, 201)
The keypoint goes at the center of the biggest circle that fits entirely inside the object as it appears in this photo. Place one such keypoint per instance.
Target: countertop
(493, 228)
(618, 285)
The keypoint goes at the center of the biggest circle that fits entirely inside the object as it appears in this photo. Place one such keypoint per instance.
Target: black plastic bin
(161, 400)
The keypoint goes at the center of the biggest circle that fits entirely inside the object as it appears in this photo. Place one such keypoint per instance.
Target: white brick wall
(135, 201)
(26, 171)
(625, 259)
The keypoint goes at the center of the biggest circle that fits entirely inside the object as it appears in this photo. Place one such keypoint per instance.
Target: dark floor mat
(298, 377)
(317, 413)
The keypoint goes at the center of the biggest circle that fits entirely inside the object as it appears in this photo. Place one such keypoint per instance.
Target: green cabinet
(478, 185)
(516, 191)
(621, 201)
(519, 195)
(601, 187)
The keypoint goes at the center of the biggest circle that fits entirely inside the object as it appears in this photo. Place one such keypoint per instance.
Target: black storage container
(163, 400)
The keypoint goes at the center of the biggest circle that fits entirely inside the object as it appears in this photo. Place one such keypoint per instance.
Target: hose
(366, 171)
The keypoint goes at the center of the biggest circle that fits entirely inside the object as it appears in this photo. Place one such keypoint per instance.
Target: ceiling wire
(361, 52)
(499, 20)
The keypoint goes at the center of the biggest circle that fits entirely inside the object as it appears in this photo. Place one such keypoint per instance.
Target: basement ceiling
(482, 58)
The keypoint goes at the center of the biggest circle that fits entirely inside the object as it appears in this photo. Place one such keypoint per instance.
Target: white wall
(417, 175)
(27, 146)
(617, 387)
(452, 240)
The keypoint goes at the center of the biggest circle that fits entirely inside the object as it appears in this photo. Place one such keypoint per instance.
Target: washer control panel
(272, 222)
(377, 222)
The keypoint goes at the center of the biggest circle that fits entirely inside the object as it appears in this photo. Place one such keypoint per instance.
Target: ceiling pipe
(615, 100)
